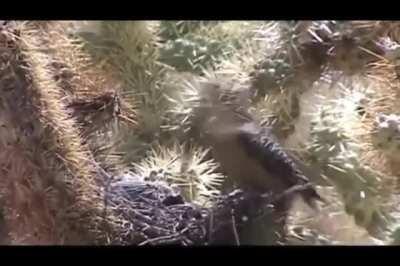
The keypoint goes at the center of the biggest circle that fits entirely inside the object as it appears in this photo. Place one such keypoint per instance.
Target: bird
(250, 156)
(247, 152)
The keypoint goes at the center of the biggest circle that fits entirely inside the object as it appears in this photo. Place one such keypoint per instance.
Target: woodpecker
(248, 153)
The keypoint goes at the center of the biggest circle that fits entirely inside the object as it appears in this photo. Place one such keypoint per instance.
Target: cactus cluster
(272, 74)
(83, 102)
(130, 53)
(192, 53)
(186, 169)
(334, 151)
(171, 29)
(295, 62)
(308, 49)
(278, 111)
(386, 135)
(50, 189)
(204, 47)
(179, 118)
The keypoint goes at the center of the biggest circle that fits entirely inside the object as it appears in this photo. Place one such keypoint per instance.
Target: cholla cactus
(179, 118)
(128, 50)
(192, 53)
(171, 30)
(331, 225)
(351, 45)
(92, 96)
(336, 154)
(205, 47)
(188, 170)
(297, 61)
(272, 74)
(346, 46)
(377, 29)
(307, 50)
(265, 42)
(282, 76)
(387, 134)
(383, 100)
(189, 100)
(49, 186)
(278, 111)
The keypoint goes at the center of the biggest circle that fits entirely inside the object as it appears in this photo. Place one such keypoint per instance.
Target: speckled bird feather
(260, 144)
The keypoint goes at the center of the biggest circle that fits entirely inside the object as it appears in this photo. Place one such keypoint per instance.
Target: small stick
(235, 233)
(161, 239)
(210, 228)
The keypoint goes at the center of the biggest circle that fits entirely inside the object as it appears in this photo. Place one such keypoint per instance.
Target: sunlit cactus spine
(386, 135)
(204, 47)
(380, 119)
(93, 97)
(174, 29)
(178, 119)
(191, 98)
(337, 156)
(307, 51)
(278, 111)
(192, 53)
(50, 188)
(129, 50)
(282, 75)
(185, 168)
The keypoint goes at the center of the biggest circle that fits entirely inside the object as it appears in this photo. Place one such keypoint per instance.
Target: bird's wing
(261, 146)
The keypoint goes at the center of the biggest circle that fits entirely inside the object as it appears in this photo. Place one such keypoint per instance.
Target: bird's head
(221, 108)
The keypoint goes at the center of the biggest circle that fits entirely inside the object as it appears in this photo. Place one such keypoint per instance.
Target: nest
(158, 214)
